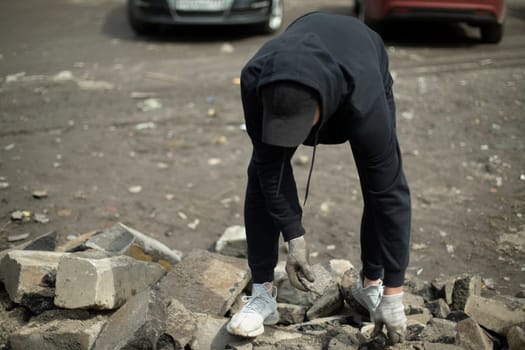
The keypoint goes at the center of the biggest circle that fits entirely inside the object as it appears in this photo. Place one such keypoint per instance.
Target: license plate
(197, 5)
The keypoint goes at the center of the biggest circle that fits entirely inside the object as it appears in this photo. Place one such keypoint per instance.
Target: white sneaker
(368, 297)
(260, 309)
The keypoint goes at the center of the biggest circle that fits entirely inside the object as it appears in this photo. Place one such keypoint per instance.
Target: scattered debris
(21, 215)
(41, 218)
(212, 112)
(135, 189)
(19, 237)
(141, 95)
(214, 161)
(147, 125)
(94, 85)
(149, 104)
(227, 48)
(117, 288)
(40, 194)
(193, 225)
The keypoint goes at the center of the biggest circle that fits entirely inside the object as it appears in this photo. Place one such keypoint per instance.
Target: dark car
(266, 15)
(488, 15)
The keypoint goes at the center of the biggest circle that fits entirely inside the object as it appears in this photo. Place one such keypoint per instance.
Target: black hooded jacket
(346, 63)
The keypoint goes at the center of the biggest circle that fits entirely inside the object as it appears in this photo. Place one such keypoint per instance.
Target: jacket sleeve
(272, 166)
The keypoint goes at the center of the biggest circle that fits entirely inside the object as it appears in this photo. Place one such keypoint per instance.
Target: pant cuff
(394, 278)
(261, 276)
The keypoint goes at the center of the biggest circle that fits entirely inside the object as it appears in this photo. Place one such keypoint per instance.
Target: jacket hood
(302, 58)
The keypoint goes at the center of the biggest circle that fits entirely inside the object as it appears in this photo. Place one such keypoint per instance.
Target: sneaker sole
(270, 320)
(240, 333)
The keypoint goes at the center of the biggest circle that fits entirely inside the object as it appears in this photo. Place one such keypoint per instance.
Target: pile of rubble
(120, 289)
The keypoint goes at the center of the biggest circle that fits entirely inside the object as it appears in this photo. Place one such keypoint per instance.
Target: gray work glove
(391, 313)
(297, 265)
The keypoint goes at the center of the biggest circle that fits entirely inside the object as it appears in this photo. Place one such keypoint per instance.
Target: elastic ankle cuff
(261, 276)
(394, 279)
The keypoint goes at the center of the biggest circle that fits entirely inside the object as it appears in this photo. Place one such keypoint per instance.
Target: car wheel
(138, 26)
(360, 10)
(492, 33)
(275, 19)
(360, 13)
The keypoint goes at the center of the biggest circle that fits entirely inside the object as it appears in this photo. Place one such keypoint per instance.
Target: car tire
(491, 33)
(360, 14)
(138, 26)
(275, 19)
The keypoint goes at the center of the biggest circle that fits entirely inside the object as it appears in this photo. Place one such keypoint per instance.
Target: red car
(488, 15)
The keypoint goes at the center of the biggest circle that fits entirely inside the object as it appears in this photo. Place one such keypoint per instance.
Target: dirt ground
(148, 131)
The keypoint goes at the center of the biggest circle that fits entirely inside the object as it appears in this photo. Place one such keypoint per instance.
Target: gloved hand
(297, 265)
(391, 313)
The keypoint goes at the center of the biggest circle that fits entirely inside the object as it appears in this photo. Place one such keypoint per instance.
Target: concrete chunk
(102, 283)
(181, 324)
(443, 288)
(441, 346)
(439, 331)
(470, 336)
(439, 308)
(211, 333)
(516, 338)
(464, 287)
(290, 313)
(206, 282)
(45, 242)
(57, 330)
(327, 304)
(157, 250)
(494, 315)
(138, 324)
(114, 241)
(325, 279)
(233, 242)
(28, 273)
(10, 322)
(349, 278)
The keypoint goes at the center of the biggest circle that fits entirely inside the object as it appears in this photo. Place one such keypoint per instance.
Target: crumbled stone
(291, 313)
(439, 331)
(208, 293)
(233, 242)
(19, 237)
(157, 250)
(10, 322)
(470, 336)
(412, 301)
(138, 324)
(29, 274)
(114, 241)
(420, 314)
(516, 338)
(327, 304)
(443, 288)
(439, 308)
(58, 329)
(440, 346)
(465, 287)
(181, 324)
(493, 314)
(104, 283)
(211, 333)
